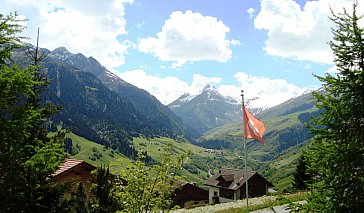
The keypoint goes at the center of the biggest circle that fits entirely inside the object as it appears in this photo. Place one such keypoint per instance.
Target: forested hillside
(94, 111)
(164, 121)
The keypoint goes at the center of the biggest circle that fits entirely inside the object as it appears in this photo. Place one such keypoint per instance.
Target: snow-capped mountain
(207, 110)
(209, 91)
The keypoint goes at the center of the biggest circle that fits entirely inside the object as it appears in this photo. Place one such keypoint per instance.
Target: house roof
(70, 164)
(231, 178)
(180, 183)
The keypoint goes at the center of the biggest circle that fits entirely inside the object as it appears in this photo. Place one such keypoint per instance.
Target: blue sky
(269, 48)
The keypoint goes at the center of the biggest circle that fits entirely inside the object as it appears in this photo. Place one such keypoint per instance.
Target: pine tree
(336, 157)
(300, 176)
(79, 199)
(27, 155)
(10, 26)
(102, 184)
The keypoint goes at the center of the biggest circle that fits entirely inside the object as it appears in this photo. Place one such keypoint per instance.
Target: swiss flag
(253, 128)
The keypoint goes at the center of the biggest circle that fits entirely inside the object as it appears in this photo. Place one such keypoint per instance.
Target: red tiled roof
(67, 165)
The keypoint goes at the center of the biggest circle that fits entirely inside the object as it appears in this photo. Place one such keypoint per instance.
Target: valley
(112, 120)
(143, 106)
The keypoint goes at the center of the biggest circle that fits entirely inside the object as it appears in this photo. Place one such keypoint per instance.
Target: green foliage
(79, 200)
(265, 202)
(101, 188)
(148, 189)
(70, 148)
(300, 176)
(102, 109)
(95, 154)
(336, 157)
(27, 155)
(10, 26)
(86, 147)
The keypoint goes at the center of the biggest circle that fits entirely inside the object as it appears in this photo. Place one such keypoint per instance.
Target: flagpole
(246, 158)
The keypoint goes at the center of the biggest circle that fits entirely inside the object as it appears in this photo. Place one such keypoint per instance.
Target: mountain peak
(206, 110)
(61, 53)
(185, 98)
(61, 50)
(212, 93)
(209, 87)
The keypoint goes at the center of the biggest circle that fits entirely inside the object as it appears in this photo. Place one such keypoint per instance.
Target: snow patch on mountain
(261, 101)
(232, 100)
(188, 98)
(175, 106)
(185, 98)
(111, 75)
(210, 92)
(61, 53)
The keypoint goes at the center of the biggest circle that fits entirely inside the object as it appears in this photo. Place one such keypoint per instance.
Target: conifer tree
(336, 157)
(27, 155)
(300, 176)
(10, 26)
(102, 185)
(79, 199)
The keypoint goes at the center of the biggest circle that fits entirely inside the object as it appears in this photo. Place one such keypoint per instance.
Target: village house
(189, 195)
(77, 171)
(229, 185)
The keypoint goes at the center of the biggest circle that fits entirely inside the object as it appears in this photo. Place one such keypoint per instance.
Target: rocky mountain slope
(146, 105)
(207, 110)
(93, 110)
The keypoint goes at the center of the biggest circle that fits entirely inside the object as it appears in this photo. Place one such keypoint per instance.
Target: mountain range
(100, 106)
(207, 110)
(103, 108)
(145, 104)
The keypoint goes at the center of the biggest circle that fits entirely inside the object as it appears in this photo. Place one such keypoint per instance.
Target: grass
(282, 167)
(115, 160)
(254, 204)
(228, 129)
(154, 147)
(268, 202)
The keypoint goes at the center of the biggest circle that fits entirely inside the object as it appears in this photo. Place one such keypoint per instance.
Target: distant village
(217, 153)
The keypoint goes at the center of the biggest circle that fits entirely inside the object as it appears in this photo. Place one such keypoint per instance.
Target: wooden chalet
(189, 195)
(229, 185)
(77, 171)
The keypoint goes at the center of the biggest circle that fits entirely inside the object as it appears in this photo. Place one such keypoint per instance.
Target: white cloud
(190, 37)
(235, 42)
(261, 91)
(89, 28)
(200, 81)
(299, 33)
(251, 12)
(167, 89)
